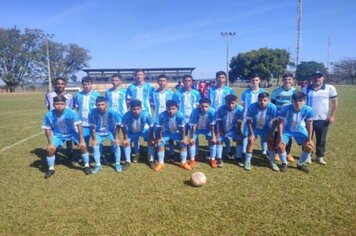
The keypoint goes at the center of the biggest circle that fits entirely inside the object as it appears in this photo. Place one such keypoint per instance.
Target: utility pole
(328, 55)
(46, 37)
(227, 35)
(299, 29)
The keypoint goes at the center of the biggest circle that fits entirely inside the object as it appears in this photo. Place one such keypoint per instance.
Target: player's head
(288, 80)
(59, 103)
(172, 107)
(162, 81)
(116, 80)
(317, 78)
(101, 104)
(204, 104)
(220, 78)
(136, 107)
(263, 99)
(59, 85)
(87, 83)
(187, 82)
(298, 100)
(231, 101)
(255, 80)
(140, 76)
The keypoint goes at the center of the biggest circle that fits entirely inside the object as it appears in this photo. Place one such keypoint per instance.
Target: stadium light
(227, 35)
(46, 37)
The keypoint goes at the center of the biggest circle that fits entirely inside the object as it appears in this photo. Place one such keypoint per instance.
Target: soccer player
(261, 121)
(282, 96)
(60, 125)
(171, 126)
(248, 97)
(140, 90)
(229, 118)
(296, 121)
(116, 96)
(319, 95)
(202, 121)
(137, 123)
(84, 102)
(104, 125)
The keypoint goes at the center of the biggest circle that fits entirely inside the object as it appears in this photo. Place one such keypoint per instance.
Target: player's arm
(81, 138)
(182, 134)
(159, 135)
(334, 106)
(193, 127)
(93, 135)
(280, 130)
(220, 130)
(151, 132)
(251, 135)
(125, 141)
(212, 131)
(309, 124)
(117, 134)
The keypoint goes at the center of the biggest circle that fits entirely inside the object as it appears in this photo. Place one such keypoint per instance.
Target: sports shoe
(159, 167)
(193, 164)
(126, 166)
(247, 165)
(96, 169)
(274, 166)
(309, 160)
(186, 166)
(87, 170)
(290, 158)
(230, 156)
(240, 162)
(303, 168)
(136, 157)
(220, 163)
(49, 174)
(118, 167)
(320, 160)
(214, 163)
(284, 167)
(277, 158)
(152, 165)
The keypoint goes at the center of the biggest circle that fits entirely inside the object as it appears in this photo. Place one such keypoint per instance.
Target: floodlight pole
(46, 37)
(227, 35)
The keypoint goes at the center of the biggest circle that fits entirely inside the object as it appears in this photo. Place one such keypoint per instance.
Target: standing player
(202, 121)
(137, 123)
(60, 125)
(116, 95)
(171, 126)
(104, 124)
(319, 95)
(296, 121)
(261, 121)
(282, 96)
(229, 118)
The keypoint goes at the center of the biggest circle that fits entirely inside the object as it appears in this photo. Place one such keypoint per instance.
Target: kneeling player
(104, 123)
(296, 120)
(135, 124)
(60, 125)
(171, 126)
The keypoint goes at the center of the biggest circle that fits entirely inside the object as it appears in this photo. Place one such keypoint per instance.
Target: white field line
(19, 142)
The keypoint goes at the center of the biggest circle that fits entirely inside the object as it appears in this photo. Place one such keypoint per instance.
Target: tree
(306, 68)
(268, 63)
(345, 70)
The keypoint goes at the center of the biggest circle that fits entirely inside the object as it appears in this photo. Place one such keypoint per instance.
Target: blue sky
(167, 33)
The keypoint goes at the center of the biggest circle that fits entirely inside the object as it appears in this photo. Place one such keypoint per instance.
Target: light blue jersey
(295, 121)
(117, 100)
(84, 103)
(262, 119)
(159, 99)
(202, 122)
(282, 97)
(217, 95)
(187, 101)
(104, 124)
(142, 93)
(171, 125)
(248, 97)
(229, 118)
(63, 126)
(136, 125)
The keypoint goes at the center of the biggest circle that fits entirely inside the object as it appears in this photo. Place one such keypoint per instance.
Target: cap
(317, 74)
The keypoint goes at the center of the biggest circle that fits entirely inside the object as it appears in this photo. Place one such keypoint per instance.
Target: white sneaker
(230, 156)
(320, 160)
(309, 160)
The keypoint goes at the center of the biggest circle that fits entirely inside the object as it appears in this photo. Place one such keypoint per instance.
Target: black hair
(298, 96)
(171, 103)
(289, 74)
(139, 70)
(59, 98)
(162, 76)
(117, 75)
(220, 73)
(60, 78)
(263, 95)
(87, 79)
(187, 76)
(230, 98)
(135, 103)
(204, 100)
(254, 75)
(100, 99)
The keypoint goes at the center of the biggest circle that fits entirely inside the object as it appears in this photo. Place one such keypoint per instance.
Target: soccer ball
(198, 179)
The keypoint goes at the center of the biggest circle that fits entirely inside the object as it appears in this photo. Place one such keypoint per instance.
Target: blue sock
(160, 155)
(117, 151)
(183, 156)
(244, 145)
(151, 153)
(192, 151)
(212, 150)
(127, 151)
(248, 156)
(283, 156)
(303, 157)
(50, 161)
(219, 151)
(85, 157)
(264, 147)
(271, 155)
(239, 151)
(97, 155)
(227, 145)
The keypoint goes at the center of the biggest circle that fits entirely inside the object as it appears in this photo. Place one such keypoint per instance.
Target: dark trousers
(320, 129)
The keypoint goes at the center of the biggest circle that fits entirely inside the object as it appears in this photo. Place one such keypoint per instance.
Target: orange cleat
(290, 158)
(277, 158)
(186, 166)
(192, 164)
(159, 167)
(214, 163)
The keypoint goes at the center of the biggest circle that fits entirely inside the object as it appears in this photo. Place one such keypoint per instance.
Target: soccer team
(122, 116)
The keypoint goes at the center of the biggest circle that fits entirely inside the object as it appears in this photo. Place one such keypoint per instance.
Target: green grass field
(142, 202)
